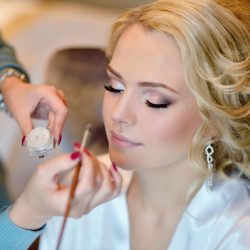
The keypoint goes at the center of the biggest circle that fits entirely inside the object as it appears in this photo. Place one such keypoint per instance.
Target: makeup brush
(85, 138)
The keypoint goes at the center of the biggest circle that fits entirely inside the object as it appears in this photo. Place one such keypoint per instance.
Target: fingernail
(23, 140)
(75, 155)
(77, 145)
(59, 139)
(114, 166)
(87, 152)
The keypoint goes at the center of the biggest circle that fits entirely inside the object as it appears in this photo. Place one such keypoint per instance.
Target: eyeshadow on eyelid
(155, 96)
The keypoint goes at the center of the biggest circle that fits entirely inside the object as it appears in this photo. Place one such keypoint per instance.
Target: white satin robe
(217, 219)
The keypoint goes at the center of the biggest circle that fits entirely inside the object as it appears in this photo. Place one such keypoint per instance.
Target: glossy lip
(122, 142)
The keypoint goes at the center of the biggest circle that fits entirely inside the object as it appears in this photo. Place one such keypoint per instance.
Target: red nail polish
(77, 145)
(23, 140)
(59, 139)
(86, 151)
(114, 166)
(75, 155)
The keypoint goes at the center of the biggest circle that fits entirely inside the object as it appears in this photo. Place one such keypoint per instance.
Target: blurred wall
(117, 4)
(38, 29)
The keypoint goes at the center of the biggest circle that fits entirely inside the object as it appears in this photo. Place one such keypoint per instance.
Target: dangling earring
(209, 150)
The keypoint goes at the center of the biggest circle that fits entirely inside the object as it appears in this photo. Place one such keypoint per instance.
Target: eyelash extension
(111, 89)
(157, 106)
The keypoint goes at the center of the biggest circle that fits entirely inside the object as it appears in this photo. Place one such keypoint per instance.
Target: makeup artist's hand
(98, 184)
(35, 100)
(45, 196)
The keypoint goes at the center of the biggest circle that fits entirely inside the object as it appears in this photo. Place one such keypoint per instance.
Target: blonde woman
(176, 112)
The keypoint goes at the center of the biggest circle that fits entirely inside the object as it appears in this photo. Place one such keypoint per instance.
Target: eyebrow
(111, 70)
(143, 84)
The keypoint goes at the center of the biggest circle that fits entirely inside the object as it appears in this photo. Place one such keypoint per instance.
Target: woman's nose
(124, 112)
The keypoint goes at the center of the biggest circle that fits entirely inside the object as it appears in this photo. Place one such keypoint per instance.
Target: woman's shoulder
(216, 219)
(235, 190)
(226, 196)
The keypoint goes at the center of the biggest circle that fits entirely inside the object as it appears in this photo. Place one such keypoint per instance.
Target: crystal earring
(209, 150)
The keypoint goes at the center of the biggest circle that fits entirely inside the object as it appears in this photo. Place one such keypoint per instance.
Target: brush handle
(85, 138)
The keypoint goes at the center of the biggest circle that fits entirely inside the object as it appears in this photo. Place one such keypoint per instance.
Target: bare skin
(37, 101)
(149, 129)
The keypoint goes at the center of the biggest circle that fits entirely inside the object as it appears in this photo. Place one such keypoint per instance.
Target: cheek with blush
(170, 137)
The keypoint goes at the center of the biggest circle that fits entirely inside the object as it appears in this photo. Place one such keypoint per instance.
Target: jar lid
(40, 141)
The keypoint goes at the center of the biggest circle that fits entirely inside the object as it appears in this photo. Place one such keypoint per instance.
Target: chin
(123, 161)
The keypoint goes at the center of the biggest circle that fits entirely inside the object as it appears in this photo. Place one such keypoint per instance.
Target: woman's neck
(163, 189)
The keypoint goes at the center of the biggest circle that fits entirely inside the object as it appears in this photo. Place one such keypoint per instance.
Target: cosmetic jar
(40, 142)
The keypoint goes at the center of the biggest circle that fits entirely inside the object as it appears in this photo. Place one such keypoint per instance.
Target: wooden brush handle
(69, 202)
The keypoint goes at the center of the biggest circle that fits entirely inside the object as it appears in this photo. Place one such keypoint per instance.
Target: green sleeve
(8, 58)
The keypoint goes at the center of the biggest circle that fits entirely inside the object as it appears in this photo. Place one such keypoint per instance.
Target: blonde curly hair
(214, 41)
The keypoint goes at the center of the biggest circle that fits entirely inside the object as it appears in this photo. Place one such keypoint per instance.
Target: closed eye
(157, 106)
(111, 89)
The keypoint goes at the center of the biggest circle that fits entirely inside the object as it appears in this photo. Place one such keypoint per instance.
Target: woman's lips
(122, 142)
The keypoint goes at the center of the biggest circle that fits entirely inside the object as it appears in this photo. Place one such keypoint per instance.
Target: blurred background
(60, 43)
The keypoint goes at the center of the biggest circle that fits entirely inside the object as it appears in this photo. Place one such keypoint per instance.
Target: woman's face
(149, 114)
